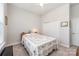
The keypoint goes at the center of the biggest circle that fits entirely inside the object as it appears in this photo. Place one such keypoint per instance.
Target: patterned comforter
(39, 45)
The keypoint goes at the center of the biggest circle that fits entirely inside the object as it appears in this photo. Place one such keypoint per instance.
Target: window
(1, 32)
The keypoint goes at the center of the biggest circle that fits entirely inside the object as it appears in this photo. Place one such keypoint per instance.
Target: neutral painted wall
(20, 20)
(74, 16)
(51, 24)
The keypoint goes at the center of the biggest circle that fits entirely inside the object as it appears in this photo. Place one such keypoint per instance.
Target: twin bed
(39, 45)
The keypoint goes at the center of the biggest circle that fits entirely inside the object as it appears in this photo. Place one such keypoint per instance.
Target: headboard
(23, 33)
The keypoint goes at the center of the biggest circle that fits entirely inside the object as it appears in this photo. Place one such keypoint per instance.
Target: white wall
(74, 16)
(54, 18)
(51, 28)
(19, 21)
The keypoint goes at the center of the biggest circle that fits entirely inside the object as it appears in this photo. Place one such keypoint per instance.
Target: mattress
(37, 44)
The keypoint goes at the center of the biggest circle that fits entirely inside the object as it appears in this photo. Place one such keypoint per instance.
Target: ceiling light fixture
(41, 4)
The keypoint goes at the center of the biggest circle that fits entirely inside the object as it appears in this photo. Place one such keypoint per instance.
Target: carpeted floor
(19, 50)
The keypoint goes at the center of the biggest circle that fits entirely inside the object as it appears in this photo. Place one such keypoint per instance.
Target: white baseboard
(65, 45)
(12, 44)
(75, 43)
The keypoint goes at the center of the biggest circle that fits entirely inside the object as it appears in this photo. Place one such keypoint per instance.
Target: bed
(39, 45)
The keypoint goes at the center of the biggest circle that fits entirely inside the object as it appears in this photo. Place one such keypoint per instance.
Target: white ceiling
(35, 7)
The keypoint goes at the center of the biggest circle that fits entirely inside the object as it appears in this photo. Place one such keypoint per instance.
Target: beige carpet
(19, 50)
(63, 51)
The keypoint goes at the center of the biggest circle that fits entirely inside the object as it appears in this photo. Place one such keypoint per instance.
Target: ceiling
(36, 8)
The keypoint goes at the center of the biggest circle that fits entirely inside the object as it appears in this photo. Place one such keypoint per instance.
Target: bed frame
(23, 33)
